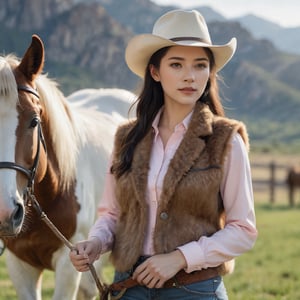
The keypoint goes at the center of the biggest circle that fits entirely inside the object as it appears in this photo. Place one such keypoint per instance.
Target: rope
(103, 289)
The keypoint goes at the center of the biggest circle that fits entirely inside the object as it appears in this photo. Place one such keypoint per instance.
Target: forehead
(187, 51)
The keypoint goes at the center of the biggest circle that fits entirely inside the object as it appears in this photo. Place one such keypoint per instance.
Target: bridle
(29, 173)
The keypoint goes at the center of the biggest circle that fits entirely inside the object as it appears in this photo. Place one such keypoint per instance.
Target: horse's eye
(34, 122)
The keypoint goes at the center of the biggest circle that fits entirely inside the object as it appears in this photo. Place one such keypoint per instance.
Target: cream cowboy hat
(177, 27)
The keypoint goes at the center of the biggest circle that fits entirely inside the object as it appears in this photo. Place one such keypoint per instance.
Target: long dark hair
(149, 102)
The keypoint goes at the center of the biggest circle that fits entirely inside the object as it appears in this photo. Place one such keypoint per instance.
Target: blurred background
(85, 42)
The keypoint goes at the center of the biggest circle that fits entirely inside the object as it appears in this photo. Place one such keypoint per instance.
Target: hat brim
(140, 49)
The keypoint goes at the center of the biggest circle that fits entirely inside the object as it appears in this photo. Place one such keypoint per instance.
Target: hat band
(189, 38)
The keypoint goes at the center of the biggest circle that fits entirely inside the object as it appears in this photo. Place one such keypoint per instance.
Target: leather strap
(181, 278)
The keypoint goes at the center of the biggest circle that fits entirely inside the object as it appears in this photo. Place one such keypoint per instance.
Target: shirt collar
(185, 122)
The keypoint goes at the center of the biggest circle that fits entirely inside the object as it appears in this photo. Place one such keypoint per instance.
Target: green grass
(270, 270)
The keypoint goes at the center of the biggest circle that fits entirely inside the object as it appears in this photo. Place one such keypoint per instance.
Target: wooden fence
(271, 179)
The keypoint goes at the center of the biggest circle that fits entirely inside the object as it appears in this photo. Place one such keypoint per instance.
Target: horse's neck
(48, 187)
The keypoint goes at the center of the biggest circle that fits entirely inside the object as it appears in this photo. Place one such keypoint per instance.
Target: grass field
(270, 271)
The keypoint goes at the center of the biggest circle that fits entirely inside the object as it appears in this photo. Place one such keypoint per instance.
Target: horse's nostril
(17, 215)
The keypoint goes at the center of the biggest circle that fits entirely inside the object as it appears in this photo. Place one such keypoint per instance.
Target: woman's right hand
(85, 253)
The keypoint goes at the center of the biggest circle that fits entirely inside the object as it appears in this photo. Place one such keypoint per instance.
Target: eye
(34, 122)
(175, 65)
(201, 66)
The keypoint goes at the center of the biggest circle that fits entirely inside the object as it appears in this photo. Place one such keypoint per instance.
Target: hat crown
(182, 24)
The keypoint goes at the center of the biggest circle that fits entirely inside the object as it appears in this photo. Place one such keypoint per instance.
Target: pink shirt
(239, 233)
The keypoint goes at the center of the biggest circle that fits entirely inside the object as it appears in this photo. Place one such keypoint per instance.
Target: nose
(11, 220)
(189, 75)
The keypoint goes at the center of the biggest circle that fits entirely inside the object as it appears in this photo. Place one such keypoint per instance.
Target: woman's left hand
(157, 269)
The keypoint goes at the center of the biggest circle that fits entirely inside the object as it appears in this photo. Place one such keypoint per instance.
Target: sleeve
(239, 233)
(108, 212)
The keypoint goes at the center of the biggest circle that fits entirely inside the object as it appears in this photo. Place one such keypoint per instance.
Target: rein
(101, 287)
(29, 195)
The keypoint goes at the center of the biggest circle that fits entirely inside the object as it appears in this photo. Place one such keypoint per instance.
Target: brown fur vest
(190, 205)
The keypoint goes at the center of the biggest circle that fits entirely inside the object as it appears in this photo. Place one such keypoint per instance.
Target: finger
(159, 284)
(139, 276)
(83, 268)
(140, 272)
(79, 260)
(81, 265)
(151, 282)
(82, 258)
(154, 282)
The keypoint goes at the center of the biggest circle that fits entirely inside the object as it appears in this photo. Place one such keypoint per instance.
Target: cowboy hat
(177, 27)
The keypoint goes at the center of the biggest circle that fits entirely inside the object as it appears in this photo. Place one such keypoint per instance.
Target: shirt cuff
(193, 255)
(104, 240)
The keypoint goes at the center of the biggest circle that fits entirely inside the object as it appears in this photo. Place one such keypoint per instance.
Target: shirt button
(164, 215)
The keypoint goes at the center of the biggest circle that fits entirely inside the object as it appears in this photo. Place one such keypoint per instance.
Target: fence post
(272, 182)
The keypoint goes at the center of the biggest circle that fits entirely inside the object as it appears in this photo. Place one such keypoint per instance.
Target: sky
(283, 12)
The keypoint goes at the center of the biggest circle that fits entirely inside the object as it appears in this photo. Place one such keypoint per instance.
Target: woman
(178, 201)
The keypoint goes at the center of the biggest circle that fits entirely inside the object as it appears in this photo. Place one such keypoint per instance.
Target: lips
(187, 89)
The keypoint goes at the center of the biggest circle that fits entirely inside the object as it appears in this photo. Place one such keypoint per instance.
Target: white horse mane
(63, 133)
(8, 85)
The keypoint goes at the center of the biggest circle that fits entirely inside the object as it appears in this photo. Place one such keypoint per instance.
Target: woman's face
(183, 74)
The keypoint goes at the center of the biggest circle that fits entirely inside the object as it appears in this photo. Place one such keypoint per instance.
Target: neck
(171, 117)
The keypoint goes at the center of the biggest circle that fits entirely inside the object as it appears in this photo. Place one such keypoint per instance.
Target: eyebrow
(181, 58)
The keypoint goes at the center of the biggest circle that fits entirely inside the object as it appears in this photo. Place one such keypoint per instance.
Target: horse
(116, 100)
(58, 150)
(293, 181)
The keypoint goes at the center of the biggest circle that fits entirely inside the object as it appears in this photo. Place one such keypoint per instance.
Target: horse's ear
(33, 60)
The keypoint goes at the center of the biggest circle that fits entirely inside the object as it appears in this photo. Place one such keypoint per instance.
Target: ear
(154, 73)
(33, 60)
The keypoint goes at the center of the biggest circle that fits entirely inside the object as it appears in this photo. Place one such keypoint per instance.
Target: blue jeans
(211, 289)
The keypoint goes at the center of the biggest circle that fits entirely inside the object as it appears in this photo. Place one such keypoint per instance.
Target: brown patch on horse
(37, 243)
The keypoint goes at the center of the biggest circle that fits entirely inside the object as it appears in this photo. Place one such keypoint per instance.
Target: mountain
(139, 15)
(85, 43)
(285, 39)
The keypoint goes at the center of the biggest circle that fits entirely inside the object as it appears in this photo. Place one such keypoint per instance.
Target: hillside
(85, 45)
(289, 40)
